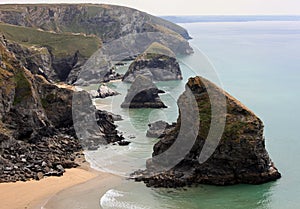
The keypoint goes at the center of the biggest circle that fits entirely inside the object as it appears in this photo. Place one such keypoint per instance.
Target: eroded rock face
(113, 27)
(93, 127)
(106, 21)
(36, 59)
(143, 94)
(37, 136)
(157, 63)
(239, 157)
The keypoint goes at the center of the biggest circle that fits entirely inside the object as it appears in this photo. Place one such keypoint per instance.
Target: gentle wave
(110, 200)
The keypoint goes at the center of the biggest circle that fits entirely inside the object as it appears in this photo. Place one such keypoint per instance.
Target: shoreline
(35, 194)
(85, 195)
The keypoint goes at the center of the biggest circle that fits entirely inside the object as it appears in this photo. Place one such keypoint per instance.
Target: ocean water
(259, 64)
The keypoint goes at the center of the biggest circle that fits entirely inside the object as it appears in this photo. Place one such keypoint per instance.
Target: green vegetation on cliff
(60, 45)
(106, 21)
(157, 48)
(23, 87)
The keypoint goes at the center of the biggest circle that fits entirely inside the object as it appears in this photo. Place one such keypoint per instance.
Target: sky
(194, 7)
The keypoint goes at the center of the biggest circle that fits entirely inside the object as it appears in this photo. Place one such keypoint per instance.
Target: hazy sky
(194, 7)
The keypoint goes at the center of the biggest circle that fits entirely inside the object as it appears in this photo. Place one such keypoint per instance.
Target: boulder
(142, 94)
(158, 129)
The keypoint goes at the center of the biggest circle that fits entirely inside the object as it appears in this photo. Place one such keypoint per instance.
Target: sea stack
(239, 156)
(143, 94)
(158, 63)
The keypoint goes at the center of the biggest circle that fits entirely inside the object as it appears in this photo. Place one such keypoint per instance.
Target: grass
(23, 88)
(60, 45)
(157, 48)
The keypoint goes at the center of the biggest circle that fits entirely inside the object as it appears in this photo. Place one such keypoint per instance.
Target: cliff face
(157, 63)
(239, 157)
(37, 136)
(70, 34)
(106, 21)
(55, 56)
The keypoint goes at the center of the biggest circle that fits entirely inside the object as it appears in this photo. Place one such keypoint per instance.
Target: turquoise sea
(258, 62)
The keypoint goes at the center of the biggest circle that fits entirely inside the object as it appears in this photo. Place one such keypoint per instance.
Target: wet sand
(86, 195)
(57, 192)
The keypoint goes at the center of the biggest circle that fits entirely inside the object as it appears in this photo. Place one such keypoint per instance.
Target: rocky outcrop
(36, 59)
(37, 136)
(158, 129)
(50, 156)
(143, 94)
(239, 156)
(103, 91)
(157, 62)
(41, 60)
(93, 127)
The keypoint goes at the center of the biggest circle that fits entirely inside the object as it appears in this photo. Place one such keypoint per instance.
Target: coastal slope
(37, 133)
(61, 38)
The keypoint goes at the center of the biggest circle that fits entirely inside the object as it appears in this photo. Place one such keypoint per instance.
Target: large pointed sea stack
(238, 157)
(143, 94)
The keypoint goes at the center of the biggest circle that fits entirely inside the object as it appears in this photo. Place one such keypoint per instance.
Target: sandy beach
(35, 194)
(86, 195)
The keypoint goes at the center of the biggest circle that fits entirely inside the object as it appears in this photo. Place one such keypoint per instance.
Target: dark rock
(124, 143)
(142, 94)
(157, 63)
(115, 117)
(120, 64)
(93, 127)
(158, 129)
(41, 61)
(238, 157)
(112, 75)
(37, 127)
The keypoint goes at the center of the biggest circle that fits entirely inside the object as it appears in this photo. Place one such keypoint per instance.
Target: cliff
(109, 22)
(158, 62)
(37, 136)
(67, 35)
(57, 57)
(191, 153)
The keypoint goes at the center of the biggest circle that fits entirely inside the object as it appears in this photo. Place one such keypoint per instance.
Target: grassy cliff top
(157, 48)
(60, 45)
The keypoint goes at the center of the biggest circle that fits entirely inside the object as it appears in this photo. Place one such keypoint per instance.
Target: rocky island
(158, 63)
(239, 157)
(143, 94)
